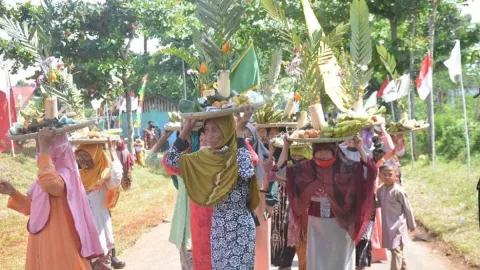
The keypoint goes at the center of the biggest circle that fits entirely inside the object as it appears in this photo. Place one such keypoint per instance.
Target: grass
(146, 205)
(445, 202)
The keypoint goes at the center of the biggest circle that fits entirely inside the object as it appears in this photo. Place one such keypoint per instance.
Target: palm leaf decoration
(274, 72)
(25, 35)
(388, 60)
(222, 17)
(287, 32)
(360, 49)
(328, 64)
(361, 38)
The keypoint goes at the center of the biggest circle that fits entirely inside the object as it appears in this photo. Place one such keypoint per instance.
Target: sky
(473, 9)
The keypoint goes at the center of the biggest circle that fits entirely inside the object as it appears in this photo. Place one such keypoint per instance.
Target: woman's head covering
(64, 161)
(210, 174)
(100, 165)
(261, 151)
(305, 152)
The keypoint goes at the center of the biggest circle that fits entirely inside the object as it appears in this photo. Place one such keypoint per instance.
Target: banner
(141, 94)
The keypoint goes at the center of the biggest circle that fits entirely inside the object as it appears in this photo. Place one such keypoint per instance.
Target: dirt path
(153, 251)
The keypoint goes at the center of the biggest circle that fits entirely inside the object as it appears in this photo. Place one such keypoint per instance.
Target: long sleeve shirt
(57, 246)
(98, 203)
(397, 216)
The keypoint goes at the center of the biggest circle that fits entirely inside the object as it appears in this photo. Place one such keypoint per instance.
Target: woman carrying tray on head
(282, 253)
(262, 244)
(180, 231)
(297, 154)
(62, 229)
(223, 176)
(337, 192)
(101, 181)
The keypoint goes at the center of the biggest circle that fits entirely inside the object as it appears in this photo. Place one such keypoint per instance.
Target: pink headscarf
(62, 157)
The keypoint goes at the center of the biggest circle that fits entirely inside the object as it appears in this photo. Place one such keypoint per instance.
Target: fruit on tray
(348, 126)
(266, 114)
(113, 132)
(404, 125)
(219, 104)
(308, 134)
(240, 100)
(174, 117)
(94, 134)
(377, 110)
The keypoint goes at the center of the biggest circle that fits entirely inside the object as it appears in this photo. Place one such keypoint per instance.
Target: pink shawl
(66, 166)
(349, 194)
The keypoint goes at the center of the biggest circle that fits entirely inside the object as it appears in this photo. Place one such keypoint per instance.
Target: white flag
(96, 103)
(454, 63)
(390, 92)
(403, 86)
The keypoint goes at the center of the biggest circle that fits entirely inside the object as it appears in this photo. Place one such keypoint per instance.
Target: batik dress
(233, 228)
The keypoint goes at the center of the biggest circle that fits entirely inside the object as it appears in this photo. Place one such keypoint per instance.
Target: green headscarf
(305, 152)
(210, 175)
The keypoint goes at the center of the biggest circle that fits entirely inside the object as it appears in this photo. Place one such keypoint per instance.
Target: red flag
(425, 78)
(382, 87)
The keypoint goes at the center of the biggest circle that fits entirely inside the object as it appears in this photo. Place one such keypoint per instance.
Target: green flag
(141, 93)
(245, 73)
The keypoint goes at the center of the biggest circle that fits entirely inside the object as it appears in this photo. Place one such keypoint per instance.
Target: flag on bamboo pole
(245, 73)
(454, 63)
(382, 87)
(425, 78)
(141, 93)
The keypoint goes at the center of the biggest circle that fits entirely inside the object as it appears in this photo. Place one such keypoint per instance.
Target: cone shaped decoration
(318, 118)
(302, 121)
(51, 108)
(289, 109)
(224, 83)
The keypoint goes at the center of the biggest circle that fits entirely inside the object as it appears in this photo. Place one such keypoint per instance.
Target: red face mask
(324, 163)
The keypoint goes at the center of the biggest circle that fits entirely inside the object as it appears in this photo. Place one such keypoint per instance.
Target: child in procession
(397, 215)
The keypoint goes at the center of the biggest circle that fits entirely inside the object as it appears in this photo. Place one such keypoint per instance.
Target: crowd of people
(242, 202)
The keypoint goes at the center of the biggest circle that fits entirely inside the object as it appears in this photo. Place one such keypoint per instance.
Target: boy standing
(397, 215)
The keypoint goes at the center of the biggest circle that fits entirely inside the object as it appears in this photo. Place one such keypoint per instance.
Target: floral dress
(233, 229)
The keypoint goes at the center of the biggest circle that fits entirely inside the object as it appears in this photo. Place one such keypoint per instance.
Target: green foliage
(288, 31)
(222, 18)
(23, 34)
(361, 37)
(388, 60)
(182, 54)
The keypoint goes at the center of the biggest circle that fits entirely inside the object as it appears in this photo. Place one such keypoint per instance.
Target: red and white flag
(425, 78)
(382, 87)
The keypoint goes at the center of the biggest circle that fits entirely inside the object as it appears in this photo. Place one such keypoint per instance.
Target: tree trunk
(411, 95)
(145, 45)
(431, 35)
(477, 109)
(393, 29)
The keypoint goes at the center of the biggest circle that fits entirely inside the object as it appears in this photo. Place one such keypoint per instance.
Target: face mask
(324, 163)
